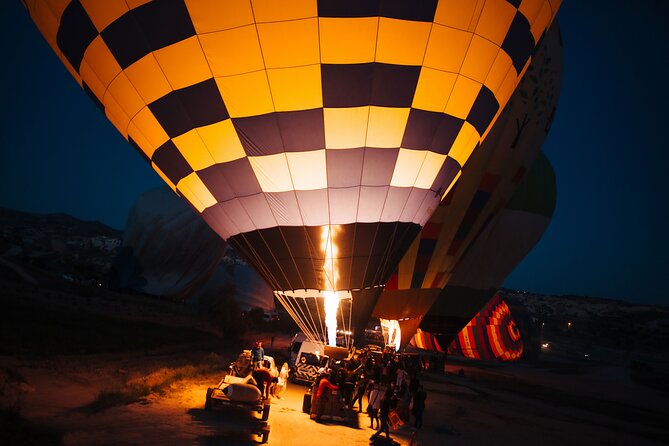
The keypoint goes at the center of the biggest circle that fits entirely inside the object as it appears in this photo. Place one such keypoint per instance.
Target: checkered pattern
(490, 178)
(265, 114)
(491, 334)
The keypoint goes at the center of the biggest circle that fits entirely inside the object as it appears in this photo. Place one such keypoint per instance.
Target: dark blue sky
(607, 144)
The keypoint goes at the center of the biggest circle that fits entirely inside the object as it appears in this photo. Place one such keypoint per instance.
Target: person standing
(419, 406)
(373, 405)
(384, 411)
(257, 355)
(325, 388)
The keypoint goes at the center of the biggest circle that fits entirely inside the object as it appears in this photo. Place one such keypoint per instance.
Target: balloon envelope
(276, 119)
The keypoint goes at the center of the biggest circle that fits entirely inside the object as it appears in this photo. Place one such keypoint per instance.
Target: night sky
(608, 237)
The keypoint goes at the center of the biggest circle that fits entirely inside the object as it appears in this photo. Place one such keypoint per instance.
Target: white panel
(285, 209)
(429, 170)
(395, 202)
(307, 169)
(238, 215)
(272, 172)
(371, 203)
(259, 211)
(407, 167)
(344, 205)
(414, 203)
(314, 207)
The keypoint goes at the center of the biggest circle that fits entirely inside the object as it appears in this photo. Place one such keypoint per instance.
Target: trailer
(234, 391)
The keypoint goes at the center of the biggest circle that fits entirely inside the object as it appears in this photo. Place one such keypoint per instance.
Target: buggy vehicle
(243, 366)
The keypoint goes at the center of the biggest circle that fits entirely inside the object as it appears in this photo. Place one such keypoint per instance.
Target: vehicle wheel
(265, 412)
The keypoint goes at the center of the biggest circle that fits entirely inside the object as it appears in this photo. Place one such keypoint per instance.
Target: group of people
(267, 383)
(390, 385)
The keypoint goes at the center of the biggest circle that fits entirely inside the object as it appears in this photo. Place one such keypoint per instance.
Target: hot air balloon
(167, 249)
(495, 252)
(491, 334)
(487, 182)
(315, 136)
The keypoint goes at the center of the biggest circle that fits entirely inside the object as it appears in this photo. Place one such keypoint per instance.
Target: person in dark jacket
(384, 410)
(419, 406)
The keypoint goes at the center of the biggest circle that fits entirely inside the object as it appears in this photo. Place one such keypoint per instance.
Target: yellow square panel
(150, 128)
(183, 63)
(216, 15)
(139, 138)
(429, 170)
(163, 176)
(464, 144)
(348, 40)
(196, 192)
(507, 87)
(47, 22)
(498, 71)
(531, 8)
(457, 14)
(272, 172)
(433, 90)
(447, 48)
(234, 51)
(407, 167)
(495, 20)
(125, 95)
(246, 94)
(449, 187)
(274, 11)
(194, 150)
(345, 128)
(101, 61)
(308, 170)
(91, 79)
(479, 59)
(541, 22)
(402, 42)
(289, 44)
(386, 126)
(222, 141)
(116, 115)
(58, 6)
(103, 13)
(462, 98)
(148, 78)
(296, 88)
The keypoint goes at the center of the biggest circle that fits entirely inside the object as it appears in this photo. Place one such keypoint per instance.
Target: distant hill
(59, 244)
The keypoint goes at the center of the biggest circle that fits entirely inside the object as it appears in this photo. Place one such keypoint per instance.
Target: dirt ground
(130, 371)
(553, 404)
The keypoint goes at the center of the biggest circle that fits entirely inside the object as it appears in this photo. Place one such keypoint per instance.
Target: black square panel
(348, 8)
(347, 85)
(234, 177)
(417, 10)
(344, 167)
(446, 174)
(194, 106)
(302, 130)
(519, 42)
(259, 135)
(394, 85)
(484, 109)
(431, 131)
(126, 40)
(170, 161)
(75, 33)
(164, 22)
(378, 166)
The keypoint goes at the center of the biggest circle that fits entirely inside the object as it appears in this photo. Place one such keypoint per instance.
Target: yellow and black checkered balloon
(275, 118)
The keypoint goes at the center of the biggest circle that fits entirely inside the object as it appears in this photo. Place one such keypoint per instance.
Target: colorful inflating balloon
(316, 136)
(491, 334)
(426, 274)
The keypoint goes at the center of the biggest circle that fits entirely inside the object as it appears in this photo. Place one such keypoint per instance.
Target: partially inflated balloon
(316, 136)
(488, 181)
